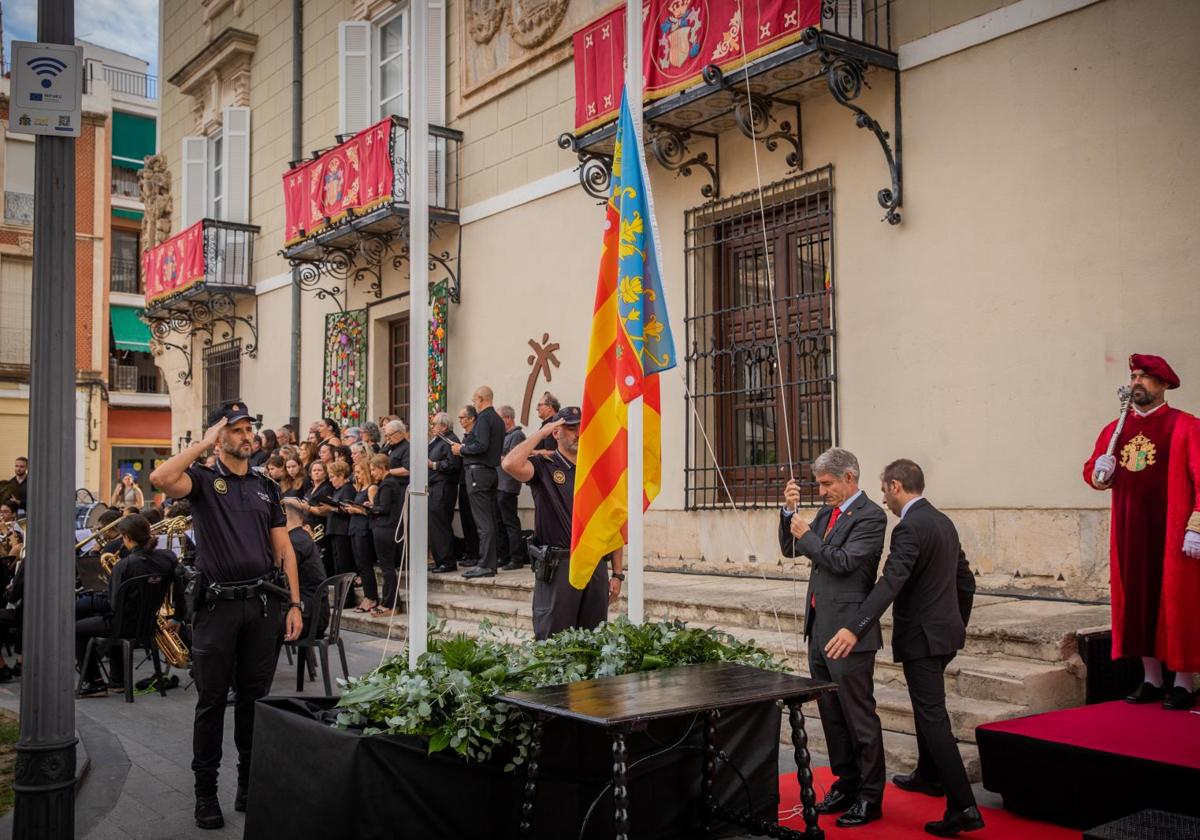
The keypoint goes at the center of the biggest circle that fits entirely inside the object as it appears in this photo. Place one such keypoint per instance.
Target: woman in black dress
(319, 508)
(361, 542)
(385, 522)
(337, 525)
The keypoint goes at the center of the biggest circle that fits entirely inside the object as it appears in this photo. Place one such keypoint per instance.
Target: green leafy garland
(447, 697)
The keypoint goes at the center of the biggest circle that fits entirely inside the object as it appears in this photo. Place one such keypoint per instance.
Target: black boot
(208, 812)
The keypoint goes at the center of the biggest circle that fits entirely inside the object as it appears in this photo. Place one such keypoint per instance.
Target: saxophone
(168, 640)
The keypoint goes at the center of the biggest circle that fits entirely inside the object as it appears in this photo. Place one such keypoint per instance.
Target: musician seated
(310, 566)
(94, 610)
(10, 616)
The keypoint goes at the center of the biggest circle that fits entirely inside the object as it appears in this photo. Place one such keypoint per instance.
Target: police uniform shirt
(233, 516)
(553, 487)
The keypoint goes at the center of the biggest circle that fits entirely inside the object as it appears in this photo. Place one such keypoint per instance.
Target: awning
(129, 331)
(133, 139)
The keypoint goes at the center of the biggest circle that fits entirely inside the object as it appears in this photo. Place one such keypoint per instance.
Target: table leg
(708, 801)
(808, 797)
(531, 777)
(620, 789)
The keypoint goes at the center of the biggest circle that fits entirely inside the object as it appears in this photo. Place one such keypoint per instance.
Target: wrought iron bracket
(219, 311)
(753, 115)
(595, 168)
(163, 328)
(669, 145)
(442, 260)
(846, 77)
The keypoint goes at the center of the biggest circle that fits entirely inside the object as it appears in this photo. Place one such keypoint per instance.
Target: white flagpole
(634, 561)
(418, 303)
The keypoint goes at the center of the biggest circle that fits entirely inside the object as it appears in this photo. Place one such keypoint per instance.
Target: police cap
(570, 415)
(232, 411)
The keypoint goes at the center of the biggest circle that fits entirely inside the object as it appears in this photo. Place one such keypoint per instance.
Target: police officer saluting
(241, 540)
(551, 477)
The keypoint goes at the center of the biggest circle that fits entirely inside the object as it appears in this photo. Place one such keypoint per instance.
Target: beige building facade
(1045, 236)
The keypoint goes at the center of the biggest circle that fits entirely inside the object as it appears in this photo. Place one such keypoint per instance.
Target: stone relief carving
(532, 22)
(484, 18)
(154, 183)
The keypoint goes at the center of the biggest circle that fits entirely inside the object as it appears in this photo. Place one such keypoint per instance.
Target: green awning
(133, 139)
(129, 331)
(122, 213)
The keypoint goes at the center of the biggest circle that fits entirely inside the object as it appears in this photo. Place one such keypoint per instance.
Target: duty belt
(236, 591)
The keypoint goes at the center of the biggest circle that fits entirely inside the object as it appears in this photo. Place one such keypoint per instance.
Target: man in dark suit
(844, 543)
(927, 577)
(480, 453)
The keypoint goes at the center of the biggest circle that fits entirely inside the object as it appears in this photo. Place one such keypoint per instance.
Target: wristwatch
(619, 576)
(296, 605)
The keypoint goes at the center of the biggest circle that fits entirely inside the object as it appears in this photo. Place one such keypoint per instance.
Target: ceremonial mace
(1124, 394)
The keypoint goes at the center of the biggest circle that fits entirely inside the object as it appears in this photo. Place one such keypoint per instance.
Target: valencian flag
(630, 345)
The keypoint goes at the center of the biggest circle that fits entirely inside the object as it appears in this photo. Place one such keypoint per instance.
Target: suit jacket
(448, 465)
(844, 566)
(927, 576)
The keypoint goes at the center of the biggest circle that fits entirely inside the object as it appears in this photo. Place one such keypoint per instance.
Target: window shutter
(354, 76)
(195, 181)
(235, 166)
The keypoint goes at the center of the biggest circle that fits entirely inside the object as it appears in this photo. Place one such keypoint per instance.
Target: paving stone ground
(139, 783)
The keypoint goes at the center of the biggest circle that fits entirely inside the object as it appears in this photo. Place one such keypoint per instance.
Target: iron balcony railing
(212, 255)
(128, 82)
(134, 379)
(124, 273)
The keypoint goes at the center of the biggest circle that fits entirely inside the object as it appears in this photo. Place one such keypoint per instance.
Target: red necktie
(833, 518)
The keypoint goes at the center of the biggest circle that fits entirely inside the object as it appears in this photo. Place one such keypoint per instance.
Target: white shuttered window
(235, 165)
(16, 291)
(354, 76)
(194, 203)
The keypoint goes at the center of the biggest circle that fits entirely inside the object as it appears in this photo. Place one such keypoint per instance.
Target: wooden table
(627, 703)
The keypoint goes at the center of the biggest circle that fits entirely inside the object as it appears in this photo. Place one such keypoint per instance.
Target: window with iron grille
(762, 398)
(398, 357)
(222, 374)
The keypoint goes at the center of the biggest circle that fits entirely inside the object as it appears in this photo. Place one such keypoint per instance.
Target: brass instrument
(99, 532)
(107, 560)
(318, 533)
(168, 640)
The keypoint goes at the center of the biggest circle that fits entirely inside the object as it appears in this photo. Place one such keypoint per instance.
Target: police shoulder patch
(559, 477)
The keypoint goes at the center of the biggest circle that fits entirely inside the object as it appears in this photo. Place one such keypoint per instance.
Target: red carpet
(905, 815)
(1148, 731)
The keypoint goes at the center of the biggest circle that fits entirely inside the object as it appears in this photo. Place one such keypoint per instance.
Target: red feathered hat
(1154, 366)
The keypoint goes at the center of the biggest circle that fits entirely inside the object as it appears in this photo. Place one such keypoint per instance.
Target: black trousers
(343, 560)
(363, 546)
(387, 552)
(935, 738)
(441, 515)
(510, 528)
(558, 605)
(325, 546)
(467, 521)
(853, 732)
(481, 492)
(234, 643)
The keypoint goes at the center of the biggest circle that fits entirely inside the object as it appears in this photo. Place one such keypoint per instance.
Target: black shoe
(915, 784)
(208, 812)
(836, 801)
(16, 670)
(6, 674)
(860, 813)
(467, 562)
(95, 688)
(478, 572)
(955, 821)
(512, 567)
(1146, 693)
(441, 570)
(1179, 699)
(239, 800)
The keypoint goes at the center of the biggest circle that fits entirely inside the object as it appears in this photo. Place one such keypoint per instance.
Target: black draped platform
(1086, 766)
(310, 780)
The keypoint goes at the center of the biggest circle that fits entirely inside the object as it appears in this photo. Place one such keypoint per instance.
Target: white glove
(1103, 471)
(1191, 544)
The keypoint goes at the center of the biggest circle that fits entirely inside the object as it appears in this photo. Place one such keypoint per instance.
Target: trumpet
(172, 526)
(100, 532)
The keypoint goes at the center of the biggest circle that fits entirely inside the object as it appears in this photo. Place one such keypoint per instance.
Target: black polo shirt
(553, 487)
(232, 517)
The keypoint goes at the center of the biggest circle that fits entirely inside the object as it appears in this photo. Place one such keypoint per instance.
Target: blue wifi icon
(48, 67)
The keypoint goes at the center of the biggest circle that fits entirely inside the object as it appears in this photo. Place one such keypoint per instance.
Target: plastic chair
(134, 623)
(341, 585)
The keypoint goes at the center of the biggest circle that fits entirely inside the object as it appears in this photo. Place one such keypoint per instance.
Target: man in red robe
(1154, 476)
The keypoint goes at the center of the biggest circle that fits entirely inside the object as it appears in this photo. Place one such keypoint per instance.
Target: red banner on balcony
(679, 39)
(353, 176)
(175, 265)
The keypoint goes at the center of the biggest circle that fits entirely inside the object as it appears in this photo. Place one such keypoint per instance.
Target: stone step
(1005, 625)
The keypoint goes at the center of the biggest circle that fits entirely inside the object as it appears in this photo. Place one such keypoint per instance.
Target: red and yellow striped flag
(630, 345)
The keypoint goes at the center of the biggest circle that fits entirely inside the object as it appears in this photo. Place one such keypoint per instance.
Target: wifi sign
(47, 67)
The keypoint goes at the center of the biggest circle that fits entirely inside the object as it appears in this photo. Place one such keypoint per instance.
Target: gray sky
(130, 26)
